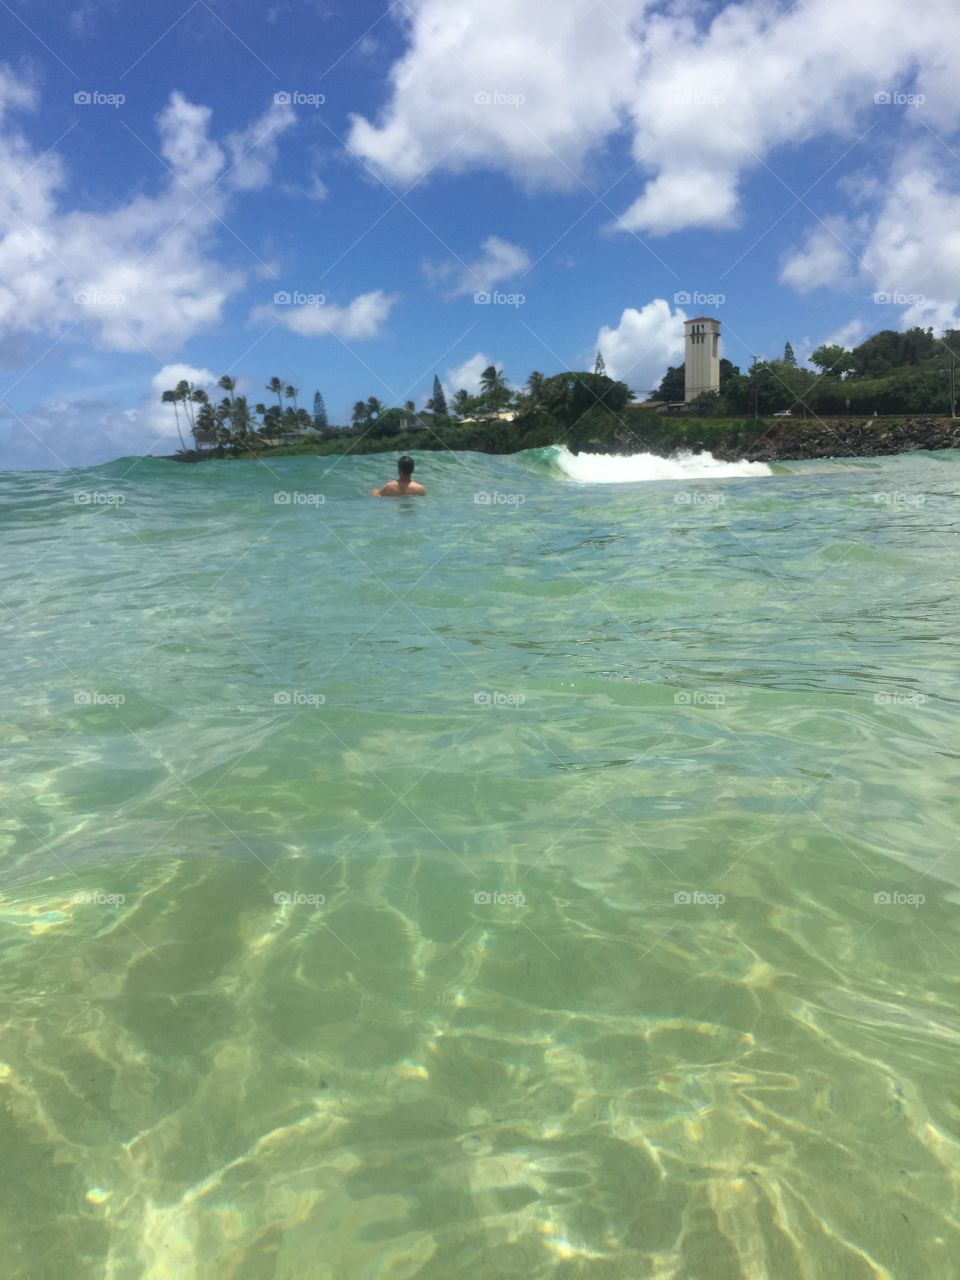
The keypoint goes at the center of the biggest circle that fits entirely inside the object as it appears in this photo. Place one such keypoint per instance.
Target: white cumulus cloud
(640, 348)
(466, 376)
(139, 274)
(706, 93)
(823, 259)
(914, 244)
(499, 260)
(358, 321)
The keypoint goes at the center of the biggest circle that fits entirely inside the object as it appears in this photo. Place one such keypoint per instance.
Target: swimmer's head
(405, 465)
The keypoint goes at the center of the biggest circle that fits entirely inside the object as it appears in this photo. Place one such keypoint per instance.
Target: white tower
(702, 367)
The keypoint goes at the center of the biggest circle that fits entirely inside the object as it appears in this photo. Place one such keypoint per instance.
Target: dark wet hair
(405, 465)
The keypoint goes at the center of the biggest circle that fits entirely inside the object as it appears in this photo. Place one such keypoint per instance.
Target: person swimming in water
(404, 486)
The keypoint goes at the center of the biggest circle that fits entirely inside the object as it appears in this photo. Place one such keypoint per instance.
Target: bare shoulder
(417, 489)
(389, 490)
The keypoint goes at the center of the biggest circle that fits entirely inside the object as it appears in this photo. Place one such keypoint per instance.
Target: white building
(702, 359)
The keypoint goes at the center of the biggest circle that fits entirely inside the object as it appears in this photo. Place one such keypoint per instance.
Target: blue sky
(601, 169)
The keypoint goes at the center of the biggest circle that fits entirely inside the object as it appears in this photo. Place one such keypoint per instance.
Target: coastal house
(500, 415)
(418, 421)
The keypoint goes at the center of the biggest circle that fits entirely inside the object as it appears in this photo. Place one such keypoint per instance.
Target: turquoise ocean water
(555, 877)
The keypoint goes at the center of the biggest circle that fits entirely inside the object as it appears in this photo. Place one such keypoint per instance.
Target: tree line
(232, 421)
(494, 396)
(889, 373)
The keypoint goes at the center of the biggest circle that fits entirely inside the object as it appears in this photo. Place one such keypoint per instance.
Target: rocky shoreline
(792, 440)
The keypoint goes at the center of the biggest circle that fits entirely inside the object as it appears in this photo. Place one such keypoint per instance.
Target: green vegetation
(320, 422)
(438, 404)
(231, 423)
(889, 373)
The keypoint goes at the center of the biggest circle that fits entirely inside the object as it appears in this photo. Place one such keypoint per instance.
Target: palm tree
(184, 393)
(288, 422)
(374, 407)
(535, 385)
(200, 397)
(271, 422)
(492, 381)
(221, 416)
(240, 418)
(173, 397)
(206, 420)
(291, 394)
(228, 384)
(461, 401)
(410, 407)
(560, 393)
(276, 386)
(361, 414)
(494, 391)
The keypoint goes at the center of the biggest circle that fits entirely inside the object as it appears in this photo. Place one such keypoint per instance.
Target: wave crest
(605, 468)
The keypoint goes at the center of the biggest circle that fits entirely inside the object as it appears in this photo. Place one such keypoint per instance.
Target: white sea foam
(605, 468)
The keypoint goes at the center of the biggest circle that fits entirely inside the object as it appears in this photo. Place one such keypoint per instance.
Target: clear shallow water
(697, 725)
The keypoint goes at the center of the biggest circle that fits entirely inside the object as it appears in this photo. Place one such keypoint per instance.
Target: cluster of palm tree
(367, 412)
(231, 420)
(494, 395)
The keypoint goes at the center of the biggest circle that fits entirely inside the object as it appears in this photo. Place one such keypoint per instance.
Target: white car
(784, 413)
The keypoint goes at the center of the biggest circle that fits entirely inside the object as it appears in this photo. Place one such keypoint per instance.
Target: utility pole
(953, 383)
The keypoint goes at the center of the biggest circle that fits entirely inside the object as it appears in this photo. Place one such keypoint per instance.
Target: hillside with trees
(888, 373)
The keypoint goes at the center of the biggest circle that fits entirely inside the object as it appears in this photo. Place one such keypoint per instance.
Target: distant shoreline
(729, 440)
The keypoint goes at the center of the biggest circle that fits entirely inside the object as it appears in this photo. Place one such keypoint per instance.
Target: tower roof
(713, 319)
